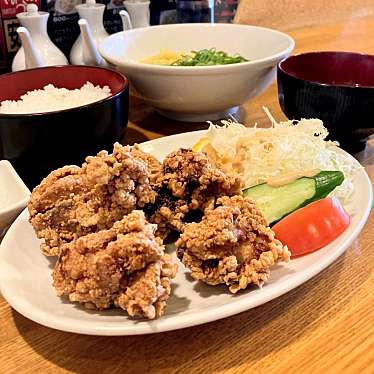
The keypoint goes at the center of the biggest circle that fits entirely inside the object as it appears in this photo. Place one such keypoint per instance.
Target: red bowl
(337, 87)
(38, 143)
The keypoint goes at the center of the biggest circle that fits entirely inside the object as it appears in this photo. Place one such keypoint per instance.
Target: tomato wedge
(312, 227)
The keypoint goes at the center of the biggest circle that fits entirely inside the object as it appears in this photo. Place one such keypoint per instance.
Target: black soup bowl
(336, 87)
(38, 143)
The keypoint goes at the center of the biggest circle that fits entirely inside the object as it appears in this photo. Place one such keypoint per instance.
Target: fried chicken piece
(124, 266)
(187, 183)
(74, 201)
(154, 165)
(231, 245)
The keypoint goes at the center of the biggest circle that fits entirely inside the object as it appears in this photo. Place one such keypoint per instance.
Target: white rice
(51, 98)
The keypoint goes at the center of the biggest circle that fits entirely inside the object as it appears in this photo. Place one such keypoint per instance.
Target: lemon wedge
(199, 146)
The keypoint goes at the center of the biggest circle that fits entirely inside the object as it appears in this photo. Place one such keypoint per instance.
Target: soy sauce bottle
(195, 11)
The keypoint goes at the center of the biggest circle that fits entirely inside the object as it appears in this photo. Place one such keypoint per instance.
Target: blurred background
(286, 15)
(63, 20)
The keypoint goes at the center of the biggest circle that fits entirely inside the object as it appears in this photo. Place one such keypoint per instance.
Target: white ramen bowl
(196, 93)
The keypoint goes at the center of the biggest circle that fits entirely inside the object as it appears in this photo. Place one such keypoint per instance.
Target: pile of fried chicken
(107, 220)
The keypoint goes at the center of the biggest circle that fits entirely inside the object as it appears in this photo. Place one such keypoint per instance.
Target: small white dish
(26, 283)
(14, 195)
(198, 93)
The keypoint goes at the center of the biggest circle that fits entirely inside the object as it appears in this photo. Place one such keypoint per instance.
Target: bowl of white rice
(53, 116)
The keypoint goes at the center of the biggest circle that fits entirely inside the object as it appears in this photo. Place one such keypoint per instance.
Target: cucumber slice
(277, 202)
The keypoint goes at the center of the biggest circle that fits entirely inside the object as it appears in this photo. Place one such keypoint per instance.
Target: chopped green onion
(207, 57)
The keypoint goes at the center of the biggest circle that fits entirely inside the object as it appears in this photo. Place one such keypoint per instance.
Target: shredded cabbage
(258, 154)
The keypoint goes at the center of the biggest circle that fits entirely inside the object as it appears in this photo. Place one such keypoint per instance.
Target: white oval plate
(25, 275)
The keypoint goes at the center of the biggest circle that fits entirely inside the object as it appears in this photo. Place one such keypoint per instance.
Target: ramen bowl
(196, 93)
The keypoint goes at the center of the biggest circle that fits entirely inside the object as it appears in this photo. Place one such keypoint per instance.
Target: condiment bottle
(138, 12)
(84, 51)
(37, 48)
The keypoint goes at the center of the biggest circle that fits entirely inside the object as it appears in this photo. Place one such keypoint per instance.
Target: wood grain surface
(324, 326)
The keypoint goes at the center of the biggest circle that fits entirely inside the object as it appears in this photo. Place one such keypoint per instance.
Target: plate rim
(205, 316)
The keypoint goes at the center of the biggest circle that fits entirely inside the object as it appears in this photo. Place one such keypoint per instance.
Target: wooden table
(324, 326)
